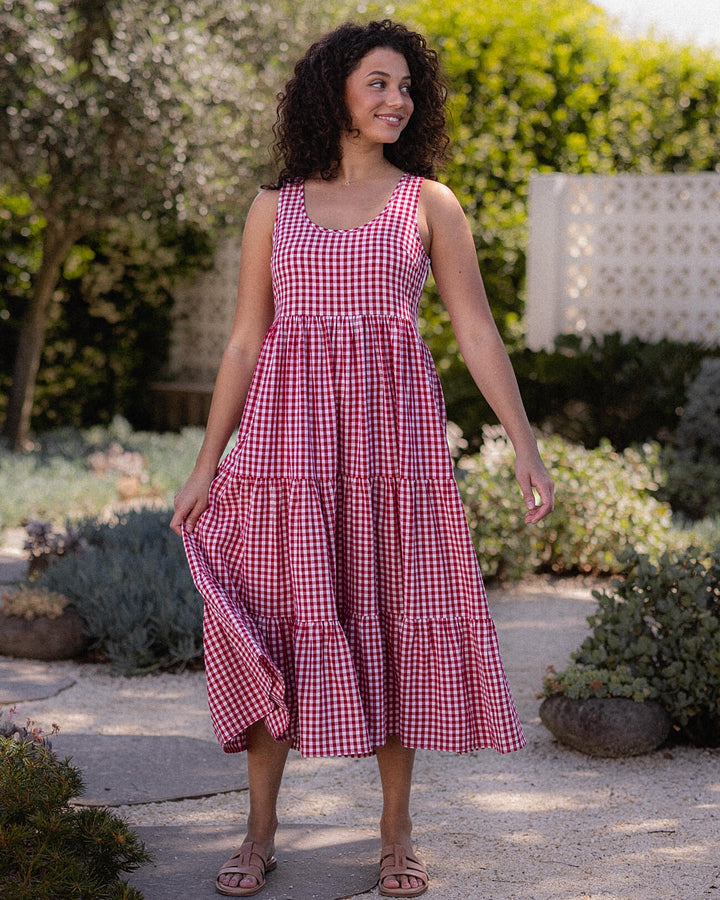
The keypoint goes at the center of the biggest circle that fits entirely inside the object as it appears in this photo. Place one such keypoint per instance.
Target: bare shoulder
(260, 222)
(264, 208)
(439, 207)
(439, 199)
(440, 216)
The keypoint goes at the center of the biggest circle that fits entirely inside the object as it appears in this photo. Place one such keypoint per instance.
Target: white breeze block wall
(203, 316)
(638, 254)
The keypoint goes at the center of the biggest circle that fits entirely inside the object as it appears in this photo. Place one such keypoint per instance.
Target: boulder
(43, 638)
(606, 726)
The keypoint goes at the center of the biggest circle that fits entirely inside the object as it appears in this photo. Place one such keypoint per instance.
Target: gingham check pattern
(343, 599)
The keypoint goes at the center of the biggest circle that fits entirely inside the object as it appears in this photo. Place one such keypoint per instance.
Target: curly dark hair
(312, 116)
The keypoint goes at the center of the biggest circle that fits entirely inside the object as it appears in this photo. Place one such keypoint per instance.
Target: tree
(117, 107)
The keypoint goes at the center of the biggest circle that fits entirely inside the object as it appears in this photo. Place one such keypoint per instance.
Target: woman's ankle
(261, 830)
(396, 829)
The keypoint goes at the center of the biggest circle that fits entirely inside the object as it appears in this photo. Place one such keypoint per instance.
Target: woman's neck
(362, 164)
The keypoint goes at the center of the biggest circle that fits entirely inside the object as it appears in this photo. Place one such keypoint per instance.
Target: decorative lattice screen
(203, 318)
(638, 254)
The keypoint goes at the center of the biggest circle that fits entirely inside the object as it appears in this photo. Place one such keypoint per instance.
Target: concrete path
(13, 558)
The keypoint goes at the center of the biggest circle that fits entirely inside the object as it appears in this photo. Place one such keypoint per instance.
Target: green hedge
(627, 391)
(556, 87)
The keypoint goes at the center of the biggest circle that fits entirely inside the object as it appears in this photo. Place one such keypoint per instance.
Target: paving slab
(124, 770)
(13, 569)
(314, 863)
(23, 680)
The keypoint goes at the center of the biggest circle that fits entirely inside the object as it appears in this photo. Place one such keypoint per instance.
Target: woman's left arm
(451, 249)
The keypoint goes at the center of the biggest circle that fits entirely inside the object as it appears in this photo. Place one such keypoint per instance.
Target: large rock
(43, 638)
(611, 726)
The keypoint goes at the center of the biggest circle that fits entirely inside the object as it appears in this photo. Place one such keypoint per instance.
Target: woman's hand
(531, 473)
(191, 501)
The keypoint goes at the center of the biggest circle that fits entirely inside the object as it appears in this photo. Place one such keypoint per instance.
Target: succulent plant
(32, 602)
(658, 627)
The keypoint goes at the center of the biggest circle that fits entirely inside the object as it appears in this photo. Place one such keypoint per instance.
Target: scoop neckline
(357, 227)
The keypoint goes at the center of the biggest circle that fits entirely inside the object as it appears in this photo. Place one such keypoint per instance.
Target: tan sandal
(247, 861)
(395, 861)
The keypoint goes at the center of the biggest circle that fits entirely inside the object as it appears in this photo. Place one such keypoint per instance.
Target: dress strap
(290, 203)
(404, 205)
(407, 195)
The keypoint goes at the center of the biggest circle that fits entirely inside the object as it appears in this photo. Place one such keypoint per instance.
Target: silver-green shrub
(55, 481)
(133, 589)
(57, 488)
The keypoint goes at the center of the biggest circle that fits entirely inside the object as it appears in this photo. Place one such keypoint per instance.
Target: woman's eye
(405, 88)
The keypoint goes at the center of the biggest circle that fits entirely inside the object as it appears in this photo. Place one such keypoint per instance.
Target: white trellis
(638, 254)
(203, 316)
(202, 319)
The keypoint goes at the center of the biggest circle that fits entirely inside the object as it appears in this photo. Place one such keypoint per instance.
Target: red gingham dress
(343, 598)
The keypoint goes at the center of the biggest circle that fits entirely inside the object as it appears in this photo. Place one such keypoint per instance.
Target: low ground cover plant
(34, 488)
(71, 474)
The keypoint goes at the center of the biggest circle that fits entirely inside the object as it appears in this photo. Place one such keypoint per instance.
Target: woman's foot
(401, 872)
(244, 873)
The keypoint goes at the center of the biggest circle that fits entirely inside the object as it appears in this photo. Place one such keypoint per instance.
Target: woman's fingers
(194, 515)
(542, 484)
(187, 511)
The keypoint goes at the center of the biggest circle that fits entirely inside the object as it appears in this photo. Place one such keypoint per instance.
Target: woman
(345, 613)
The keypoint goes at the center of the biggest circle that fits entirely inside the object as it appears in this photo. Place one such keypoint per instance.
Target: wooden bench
(177, 404)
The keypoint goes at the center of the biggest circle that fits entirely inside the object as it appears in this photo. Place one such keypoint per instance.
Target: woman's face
(377, 96)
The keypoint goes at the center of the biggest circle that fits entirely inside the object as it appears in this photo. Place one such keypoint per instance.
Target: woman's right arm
(253, 317)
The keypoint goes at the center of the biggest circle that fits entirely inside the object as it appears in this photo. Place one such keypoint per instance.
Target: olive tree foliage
(547, 87)
(121, 108)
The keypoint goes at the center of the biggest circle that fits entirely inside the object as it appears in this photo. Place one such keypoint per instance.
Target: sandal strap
(395, 860)
(241, 863)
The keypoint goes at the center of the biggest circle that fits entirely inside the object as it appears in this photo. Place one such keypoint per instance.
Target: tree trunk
(57, 241)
